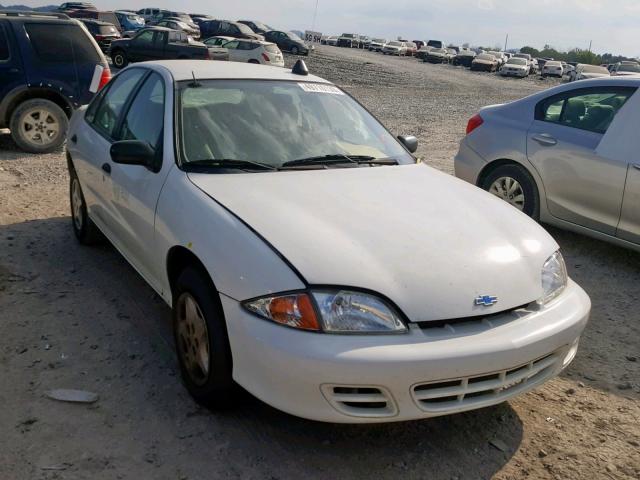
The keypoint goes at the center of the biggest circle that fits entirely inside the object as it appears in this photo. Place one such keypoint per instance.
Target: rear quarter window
(4, 45)
(62, 43)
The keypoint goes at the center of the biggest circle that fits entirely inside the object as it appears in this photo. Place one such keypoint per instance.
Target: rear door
(581, 186)
(629, 227)
(11, 70)
(235, 54)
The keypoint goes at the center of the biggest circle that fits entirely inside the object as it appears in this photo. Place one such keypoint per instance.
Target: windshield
(395, 44)
(629, 67)
(378, 40)
(293, 36)
(517, 61)
(273, 122)
(348, 35)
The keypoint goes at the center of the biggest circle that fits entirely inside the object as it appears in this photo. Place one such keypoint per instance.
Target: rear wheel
(513, 184)
(38, 126)
(253, 60)
(202, 343)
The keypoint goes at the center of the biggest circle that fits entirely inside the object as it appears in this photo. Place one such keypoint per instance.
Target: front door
(141, 47)
(581, 186)
(135, 189)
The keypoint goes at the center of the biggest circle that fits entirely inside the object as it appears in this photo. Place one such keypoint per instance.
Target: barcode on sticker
(319, 88)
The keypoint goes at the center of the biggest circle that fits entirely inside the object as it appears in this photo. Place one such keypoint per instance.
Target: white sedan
(306, 256)
(249, 51)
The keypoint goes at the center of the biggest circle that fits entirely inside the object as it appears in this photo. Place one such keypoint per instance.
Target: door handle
(107, 168)
(545, 139)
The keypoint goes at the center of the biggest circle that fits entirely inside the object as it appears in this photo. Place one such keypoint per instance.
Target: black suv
(49, 66)
(214, 28)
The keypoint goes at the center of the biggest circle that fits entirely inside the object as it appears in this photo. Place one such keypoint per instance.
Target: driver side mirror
(133, 152)
(410, 142)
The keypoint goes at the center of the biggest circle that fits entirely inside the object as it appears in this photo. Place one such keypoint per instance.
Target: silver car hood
(429, 242)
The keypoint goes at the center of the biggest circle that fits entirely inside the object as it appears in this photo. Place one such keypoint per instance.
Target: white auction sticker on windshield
(320, 88)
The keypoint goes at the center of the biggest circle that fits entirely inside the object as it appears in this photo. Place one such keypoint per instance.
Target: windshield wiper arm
(230, 163)
(335, 158)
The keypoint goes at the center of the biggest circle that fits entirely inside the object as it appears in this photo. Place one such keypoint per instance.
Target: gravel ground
(74, 317)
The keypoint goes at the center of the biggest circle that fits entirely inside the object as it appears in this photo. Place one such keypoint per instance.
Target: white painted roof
(214, 70)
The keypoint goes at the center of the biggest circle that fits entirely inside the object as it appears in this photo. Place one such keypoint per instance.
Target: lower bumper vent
(469, 392)
(360, 401)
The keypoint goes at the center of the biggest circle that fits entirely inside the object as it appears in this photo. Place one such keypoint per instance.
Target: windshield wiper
(336, 158)
(229, 163)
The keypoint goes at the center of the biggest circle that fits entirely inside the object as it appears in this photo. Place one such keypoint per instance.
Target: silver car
(544, 155)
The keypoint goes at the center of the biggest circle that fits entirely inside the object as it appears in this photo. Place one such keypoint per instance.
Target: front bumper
(332, 377)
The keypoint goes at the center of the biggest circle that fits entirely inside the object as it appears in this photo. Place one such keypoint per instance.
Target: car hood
(424, 239)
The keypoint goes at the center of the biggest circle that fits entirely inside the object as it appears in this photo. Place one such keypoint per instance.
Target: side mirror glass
(410, 142)
(133, 152)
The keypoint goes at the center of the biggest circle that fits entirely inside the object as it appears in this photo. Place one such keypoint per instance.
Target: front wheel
(294, 50)
(513, 184)
(202, 343)
(84, 229)
(119, 59)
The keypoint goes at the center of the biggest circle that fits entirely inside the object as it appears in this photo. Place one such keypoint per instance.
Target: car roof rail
(29, 14)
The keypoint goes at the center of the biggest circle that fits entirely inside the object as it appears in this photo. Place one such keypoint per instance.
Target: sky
(612, 25)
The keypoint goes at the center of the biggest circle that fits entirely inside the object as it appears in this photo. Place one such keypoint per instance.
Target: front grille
(472, 392)
(360, 401)
(507, 315)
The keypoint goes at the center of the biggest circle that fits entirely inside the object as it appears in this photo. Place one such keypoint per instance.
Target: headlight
(554, 277)
(331, 311)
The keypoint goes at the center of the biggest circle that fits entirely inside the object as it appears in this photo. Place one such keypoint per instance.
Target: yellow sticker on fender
(320, 88)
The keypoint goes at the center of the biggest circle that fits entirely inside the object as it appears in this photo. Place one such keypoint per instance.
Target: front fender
(241, 264)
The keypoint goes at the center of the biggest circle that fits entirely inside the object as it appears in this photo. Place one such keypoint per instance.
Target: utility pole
(315, 14)
(506, 41)
(590, 45)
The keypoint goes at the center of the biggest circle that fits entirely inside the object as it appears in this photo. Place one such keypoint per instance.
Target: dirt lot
(75, 317)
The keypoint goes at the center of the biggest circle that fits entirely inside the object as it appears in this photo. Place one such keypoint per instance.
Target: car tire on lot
(201, 339)
(510, 182)
(38, 126)
(85, 230)
(119, 59)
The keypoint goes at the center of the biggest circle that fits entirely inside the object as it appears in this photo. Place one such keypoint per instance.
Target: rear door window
(4, 45)
(62, 43)
(591, 109)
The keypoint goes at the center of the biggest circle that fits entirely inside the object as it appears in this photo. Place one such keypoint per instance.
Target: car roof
(182, 70)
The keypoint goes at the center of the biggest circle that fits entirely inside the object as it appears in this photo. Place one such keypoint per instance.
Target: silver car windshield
(273, 122)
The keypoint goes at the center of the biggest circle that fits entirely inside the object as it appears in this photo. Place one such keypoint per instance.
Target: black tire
(254, 61)
(294, 50)
(215, 389)
(119, 59)
(520, 174)
(84, 229)
(22, 119)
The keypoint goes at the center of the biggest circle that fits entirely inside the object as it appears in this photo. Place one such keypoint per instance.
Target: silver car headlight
(330, 311)
(554, 278)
